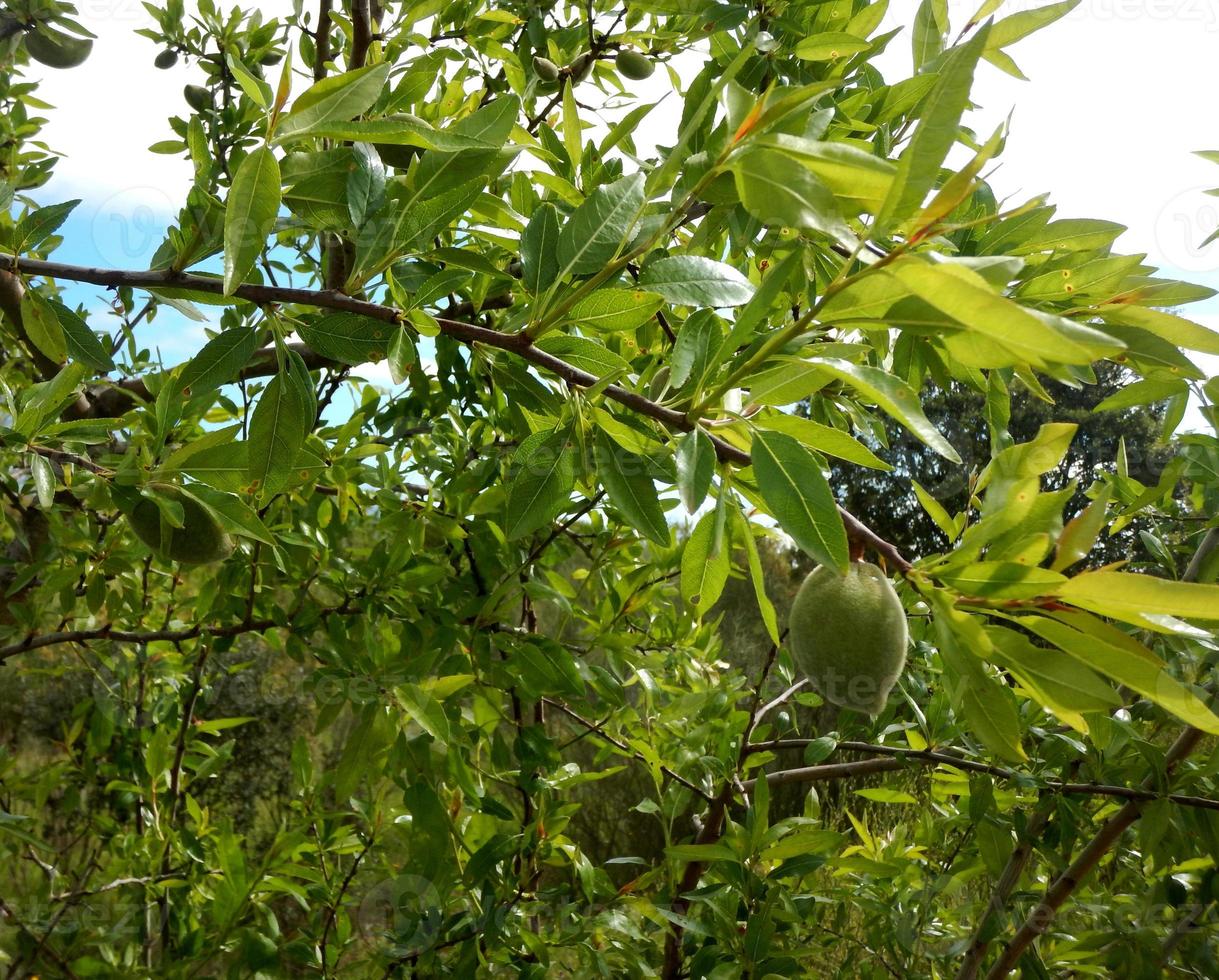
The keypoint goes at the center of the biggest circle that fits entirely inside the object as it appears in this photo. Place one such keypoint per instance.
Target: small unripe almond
(166, 59)
(545, 69)
(633, 65)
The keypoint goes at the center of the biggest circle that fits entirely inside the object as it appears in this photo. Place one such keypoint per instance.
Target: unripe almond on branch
(848, 635)
(633, 65)
(545, 69)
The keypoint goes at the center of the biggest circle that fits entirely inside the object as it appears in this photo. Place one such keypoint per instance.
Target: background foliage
(485, 672)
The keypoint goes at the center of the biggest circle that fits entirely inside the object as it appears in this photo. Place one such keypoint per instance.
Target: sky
(1116, 101)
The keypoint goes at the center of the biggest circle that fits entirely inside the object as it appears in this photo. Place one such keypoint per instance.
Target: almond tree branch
(899, 758)
(1064, 885)
(263, 364)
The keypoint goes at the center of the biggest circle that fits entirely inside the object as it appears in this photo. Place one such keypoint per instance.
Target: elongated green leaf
(1081, 532)
(823, 438)
(598, 228)
(631, 490)
(757, 576)
(347, 337)
(616, 309)
(540, 249)
(39, 225)
(695, 468)
(799, 497)
(365, 182)
(892, 395)
(588, 355)
(704, 564)
(859, 180)
(542, 484)
(219, 361)
(1134, 598)
(920, 162)
(334, 99)
(81, 342)
(42, 325)
(697, 342)
(965, 297)
(778, 190)
(1151, 679)
(249, 214)
(236, 515)
(988, 706)
(786, 380)
(1003, 580)
(1060, 684)
(281, 421)
(693, 280)
(830, 46)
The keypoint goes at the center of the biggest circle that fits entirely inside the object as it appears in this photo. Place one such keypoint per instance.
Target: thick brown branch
(467, 333)
(35, 641)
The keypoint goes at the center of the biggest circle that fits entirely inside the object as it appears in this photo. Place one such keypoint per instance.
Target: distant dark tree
(886, 500)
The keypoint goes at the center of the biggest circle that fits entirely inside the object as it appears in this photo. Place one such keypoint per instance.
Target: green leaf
(600, 226)
(42, 325)
(626, 479)
(249, 214)
(892, 395)
(44, 480)
(40, 224)
(334, 99)
(704, 564)
(939, 122)
(697, 340)
(81, 342)
(1145, 392)
(348, 337)
(1147, 676)
(757, 576)
(1020, 25)
(777, 190)
(587, 355)
(615, 309)
(930, 30)
(540, 249)
(1137, 598)
(236, 515)
(1177, 330)
(693, 280)
(402, 355)
(823, 438)
(859, 180)
(799, 497)
(281, 421)
(988, 707)
(1080, 534)
(1035, 339)
(1002, 580)
(365, 182)
(545, 474)
(219, 361)
(830, 46)
(786, 380)
(1060, 684)
(695, 468)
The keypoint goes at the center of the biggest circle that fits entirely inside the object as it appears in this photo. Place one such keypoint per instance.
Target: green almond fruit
(56, 50)
(633, 65)
(848, 635)
(197, 97)
(198, 541)
(166, 59)
(545, 69)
